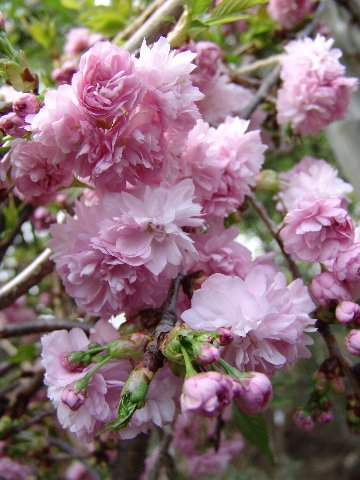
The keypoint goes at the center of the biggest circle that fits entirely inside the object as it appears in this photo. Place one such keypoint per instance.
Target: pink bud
(253, 394)
(26, 104)
(303, 420)
(13, 124)
(337, 385)
(324, 417)
(347, 312)
(352, 342)
(74, 400)
(2, 21)
(206, 394)
(72, 367)
(226, 336)
(208, 354)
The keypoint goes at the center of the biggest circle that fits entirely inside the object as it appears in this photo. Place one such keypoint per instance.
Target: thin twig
(14, 430)
(162, 453)
(264, 62)
(137, 22)
(40, 325)
(153, 25)
(259, 208)
(30, 276)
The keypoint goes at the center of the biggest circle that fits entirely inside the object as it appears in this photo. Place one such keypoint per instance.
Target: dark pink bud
(226, 336)
(13, 124)
(253, 394)
(2, 21)
(26, 104)
(347, 312)
(352, 342)
(64, 73)
(207, 354)
(72, 367)
(73, 399)
(324, 417)
(303, 420)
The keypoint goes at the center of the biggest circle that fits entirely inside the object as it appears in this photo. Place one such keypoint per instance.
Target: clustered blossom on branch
(155, 140)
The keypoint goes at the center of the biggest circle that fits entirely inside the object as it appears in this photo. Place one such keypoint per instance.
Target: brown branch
(334, 351)
(30, 276)
(162, 454)
(40, 325)
(130, 459)
(260, 210)
(155, 24)
(25, 395)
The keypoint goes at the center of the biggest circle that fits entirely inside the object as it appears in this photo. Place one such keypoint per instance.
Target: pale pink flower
(166, 75)
(289, 13)
(311, 176)
(352, 342)
(347, 312)
(223, 163)
(207, 61)
(347, 264)
(78, 40)
(253, 393)
(207, 393)
(268, 318)
(317, 230)
(56, 346)
(106, 84)
(327, 289)
(59, 122)
(39, 171)
(14, 470)
(13, 124)
(315, 91)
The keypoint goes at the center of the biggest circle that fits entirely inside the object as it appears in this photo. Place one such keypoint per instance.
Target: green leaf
(254, 428)
(197, 7)
(231, 11)
(126, 410)
(72, 4)
(10, 215)
(24, 353)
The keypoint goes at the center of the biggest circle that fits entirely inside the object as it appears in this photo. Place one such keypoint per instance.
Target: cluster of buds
(329, 376)
(318, 410)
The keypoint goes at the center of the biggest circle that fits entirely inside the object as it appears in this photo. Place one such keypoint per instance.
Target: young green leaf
(197, 7)
(231, 11)
(254, 429)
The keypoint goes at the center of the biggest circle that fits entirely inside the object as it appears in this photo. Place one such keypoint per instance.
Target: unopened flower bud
(2, 22)
(13, 124)
(73, 399)
(347, 312)
(253, 394)
(72, 366)
(352, 342)
(303, 420)
(267, 180)
(321, 381)
(26, 104)
(324, 417)
(206, 393)
(337, 385)
(225, 336)
(207, 354)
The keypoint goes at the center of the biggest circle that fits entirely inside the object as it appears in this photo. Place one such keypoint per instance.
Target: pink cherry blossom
(352, 342)
(317, 230)
(253, 393)
(288, 13)
(347, 312)
(311, 176)
(26, 104)
(206, 393)
(347, 264)
(13, 124)
(65, 72)
(315, 91)
(268, 318)
(78, 40)
(39, 171)
(106, 84)
(327, 289)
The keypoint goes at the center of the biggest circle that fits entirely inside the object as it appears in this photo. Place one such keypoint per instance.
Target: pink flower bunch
(327, 289)
(289, 13)
(318, 229)
(269, 319)
(110, 256)
(13, 123)
(223, 164)
(315, 91)
(311, 176)
(122, 119)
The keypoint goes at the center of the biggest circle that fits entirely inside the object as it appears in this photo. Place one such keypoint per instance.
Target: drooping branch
(259, 208)
(30, 276)
(154, 24)
(40, 326)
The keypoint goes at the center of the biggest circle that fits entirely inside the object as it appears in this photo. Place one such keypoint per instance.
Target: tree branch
(167, 436)
(259, 208)
(14, 430)
(154, 24)
(30, 276)
(41, 325)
